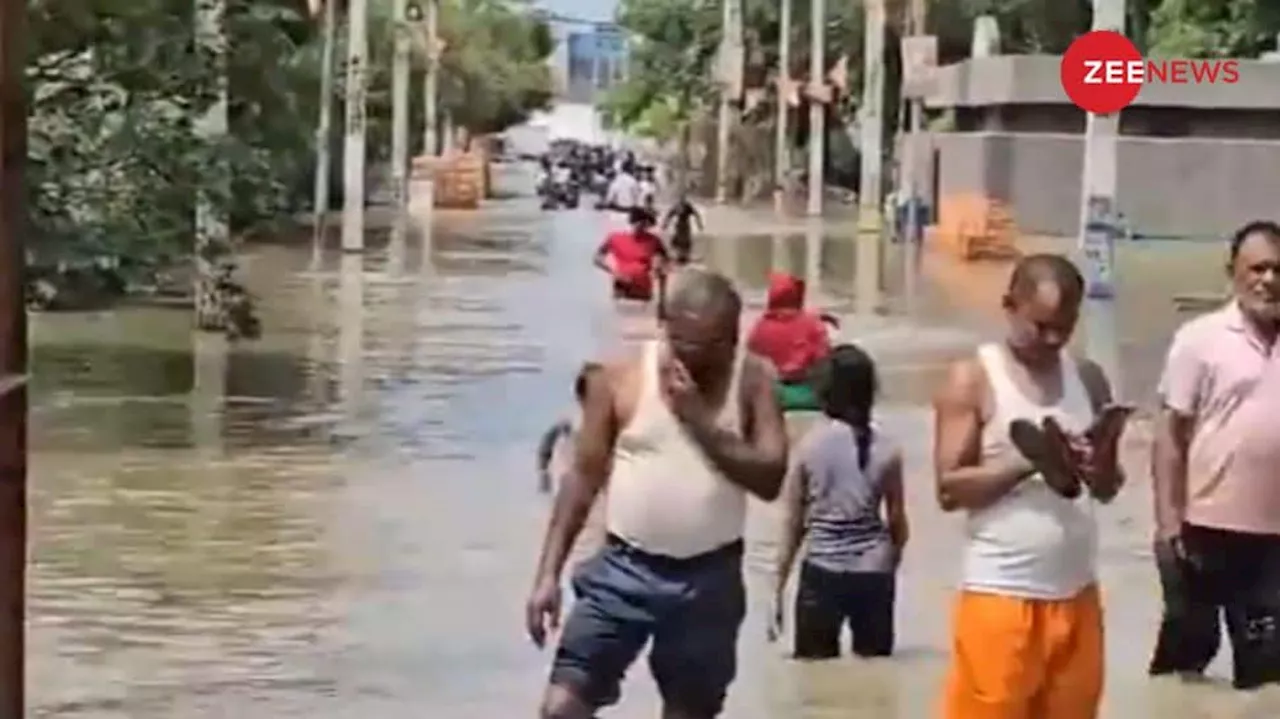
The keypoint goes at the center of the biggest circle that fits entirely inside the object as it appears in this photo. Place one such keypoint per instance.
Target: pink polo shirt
(1221, 373)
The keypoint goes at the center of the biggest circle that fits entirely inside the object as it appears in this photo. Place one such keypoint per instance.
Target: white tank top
(1033, 542)
(665, 497)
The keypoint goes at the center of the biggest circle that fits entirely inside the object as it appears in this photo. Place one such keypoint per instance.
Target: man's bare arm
(1107, 485)
(756, 461)
(591, 471)
(895, 504)
(964, 481)
(1173, 431)
(601, 258)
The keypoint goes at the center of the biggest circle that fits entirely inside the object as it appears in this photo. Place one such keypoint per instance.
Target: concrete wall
(1036, 80)
(1167, 187)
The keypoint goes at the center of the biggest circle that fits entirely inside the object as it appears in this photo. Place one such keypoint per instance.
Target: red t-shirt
(790, 337)
(634, 257)
(793, 340)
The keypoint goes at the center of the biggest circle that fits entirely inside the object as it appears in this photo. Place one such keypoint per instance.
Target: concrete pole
(431, 83)
(817, 110)
(782, 139)
(911, 172)
(324, 130)
(870, 196)
(400, 124)
(13, 360)
(730, 50)
(353, 154)
(1096, 241)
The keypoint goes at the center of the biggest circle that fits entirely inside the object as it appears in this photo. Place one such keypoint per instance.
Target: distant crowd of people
(673, 439)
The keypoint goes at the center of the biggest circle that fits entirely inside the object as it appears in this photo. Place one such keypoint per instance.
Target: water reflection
(351, 321)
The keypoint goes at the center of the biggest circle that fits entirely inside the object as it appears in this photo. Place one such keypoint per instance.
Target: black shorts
(826, 601)
(691, 610)
(1225, 574)
(682, 246)
(632, 291)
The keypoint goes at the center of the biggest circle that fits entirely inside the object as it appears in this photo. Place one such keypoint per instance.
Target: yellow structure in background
(974, 227)
(459, 178)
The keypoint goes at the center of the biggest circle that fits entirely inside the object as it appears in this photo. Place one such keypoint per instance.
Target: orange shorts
(1018, 658)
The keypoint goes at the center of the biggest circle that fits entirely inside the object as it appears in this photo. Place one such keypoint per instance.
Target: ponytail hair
(847, 385)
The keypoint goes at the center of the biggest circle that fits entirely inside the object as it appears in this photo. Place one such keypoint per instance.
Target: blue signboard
(595, 59)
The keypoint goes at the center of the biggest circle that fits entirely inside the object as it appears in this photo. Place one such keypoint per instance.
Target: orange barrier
(974, 227)
(459, 178)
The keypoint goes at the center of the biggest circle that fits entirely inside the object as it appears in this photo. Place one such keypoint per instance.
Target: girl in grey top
(845, 495)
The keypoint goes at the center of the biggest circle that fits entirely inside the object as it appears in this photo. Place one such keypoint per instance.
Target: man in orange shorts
(1028, 640)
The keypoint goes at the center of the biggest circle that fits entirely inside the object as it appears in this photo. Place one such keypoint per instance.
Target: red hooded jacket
(786, 334)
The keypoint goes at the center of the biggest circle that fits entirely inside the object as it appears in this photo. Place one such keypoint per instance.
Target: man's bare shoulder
(613, 370)
(965, 385)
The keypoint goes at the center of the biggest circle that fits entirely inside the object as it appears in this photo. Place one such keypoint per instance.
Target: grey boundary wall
(1018, 140)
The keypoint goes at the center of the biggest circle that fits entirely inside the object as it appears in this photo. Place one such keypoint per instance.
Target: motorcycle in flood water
(561, 195)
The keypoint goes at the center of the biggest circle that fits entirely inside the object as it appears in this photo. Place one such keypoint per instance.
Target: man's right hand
(773, 631)
(542, 612)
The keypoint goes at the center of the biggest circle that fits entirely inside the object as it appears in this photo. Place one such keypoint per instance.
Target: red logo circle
(1096, 72)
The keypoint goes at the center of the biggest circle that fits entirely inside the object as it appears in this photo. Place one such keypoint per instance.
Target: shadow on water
(340, 519)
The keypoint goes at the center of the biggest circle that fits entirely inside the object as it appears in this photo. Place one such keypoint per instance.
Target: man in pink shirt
(1216, 471)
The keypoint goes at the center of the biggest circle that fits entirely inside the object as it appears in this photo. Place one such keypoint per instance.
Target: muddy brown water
(341, 520)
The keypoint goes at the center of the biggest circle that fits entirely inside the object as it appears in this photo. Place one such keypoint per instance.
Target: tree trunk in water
(213, 236)
(208, 395)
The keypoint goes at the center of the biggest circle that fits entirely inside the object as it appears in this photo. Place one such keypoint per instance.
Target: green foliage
(494, 69)
(116, 87)
(1213, 28)
(672, 58)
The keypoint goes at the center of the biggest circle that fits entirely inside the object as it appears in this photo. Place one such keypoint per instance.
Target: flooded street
(340, 520)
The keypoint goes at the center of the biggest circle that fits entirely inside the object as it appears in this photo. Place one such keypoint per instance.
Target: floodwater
(341, 521)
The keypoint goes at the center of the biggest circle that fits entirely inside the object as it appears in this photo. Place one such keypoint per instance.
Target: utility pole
(353, 153)
(919, 58)
(817, 108)
(782, 140)
(870, 185)
(13, 360)
(400, 124)
(1098, 226)
(730, 90)
(431, 83)
(324, 132)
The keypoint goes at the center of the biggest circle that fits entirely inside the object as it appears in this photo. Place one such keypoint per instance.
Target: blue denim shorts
(692, 609)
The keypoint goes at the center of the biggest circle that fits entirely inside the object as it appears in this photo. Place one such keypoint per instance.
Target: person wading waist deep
(681, 433)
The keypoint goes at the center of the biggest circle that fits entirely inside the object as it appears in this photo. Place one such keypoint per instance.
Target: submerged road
(340, 521)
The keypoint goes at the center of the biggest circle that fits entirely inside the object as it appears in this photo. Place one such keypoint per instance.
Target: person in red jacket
(636, 258)
(792, 338)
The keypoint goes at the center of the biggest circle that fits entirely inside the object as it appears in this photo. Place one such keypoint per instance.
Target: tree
(116, 85)
(1213, 28)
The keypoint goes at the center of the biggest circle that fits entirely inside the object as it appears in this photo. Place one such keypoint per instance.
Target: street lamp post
(400, 123)
(324, 125)
(428, 22)
(353, 154)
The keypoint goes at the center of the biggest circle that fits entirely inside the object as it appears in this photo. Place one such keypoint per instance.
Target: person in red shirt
(635, 258)
(792, 338)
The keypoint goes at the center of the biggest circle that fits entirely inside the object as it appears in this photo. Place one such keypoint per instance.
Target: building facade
(595, 61)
